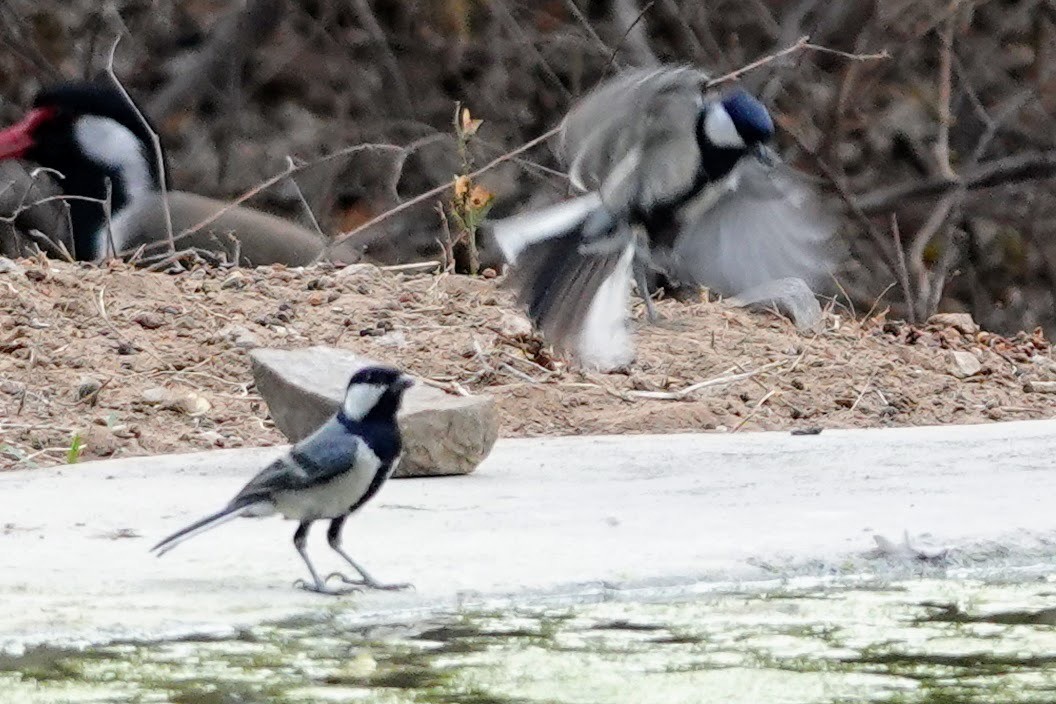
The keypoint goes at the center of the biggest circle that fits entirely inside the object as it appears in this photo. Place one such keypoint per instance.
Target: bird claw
(345, 579)
(370, 583)
(321, 588)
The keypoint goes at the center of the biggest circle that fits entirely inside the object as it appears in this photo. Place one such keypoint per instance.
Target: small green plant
(470, 202)
(73, 455)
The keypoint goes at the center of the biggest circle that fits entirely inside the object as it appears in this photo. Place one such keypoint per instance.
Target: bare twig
(447, 245)
(16, 43)
(681, 394)
(304, 202)
(251, 23)
(942, 146)
(902, 271)
(432, 193)
(801, 44)
(392, 66)
(755, 408)
(635, 36)
(585, 23)
(155, 141)
(291, 169)
(626, 33)
(997, 172)
(411, 266)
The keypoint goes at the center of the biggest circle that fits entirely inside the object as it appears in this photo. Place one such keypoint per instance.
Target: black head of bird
(90, 135)
(749, 118)
(375, 394)
(101, 147)
(328, 475)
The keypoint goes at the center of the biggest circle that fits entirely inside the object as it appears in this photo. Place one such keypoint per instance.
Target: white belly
(334, 498)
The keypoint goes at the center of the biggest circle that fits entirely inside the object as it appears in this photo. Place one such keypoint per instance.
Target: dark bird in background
(678, 180)
(92, 136)
(326, 476)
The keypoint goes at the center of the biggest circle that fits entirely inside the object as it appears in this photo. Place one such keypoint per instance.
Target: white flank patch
(605, 340)
(113, 145)
(360, 398)
(515, 233)
(720, 130)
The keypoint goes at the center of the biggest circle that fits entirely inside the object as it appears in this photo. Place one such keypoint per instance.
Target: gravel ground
(109, 362)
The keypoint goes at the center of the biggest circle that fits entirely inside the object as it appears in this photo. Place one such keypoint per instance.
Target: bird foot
(370, 583)
(321, 588)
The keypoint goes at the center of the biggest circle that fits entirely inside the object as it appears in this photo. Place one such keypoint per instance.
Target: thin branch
(392, 66)
(582, 19)
(635, 36)
(159, 156)
(997, 172)
(17, 44)
(228, 43)
(304, 201)
(902, 272)
(432, 193)
(291, 169)
(942, 146)
(803, 43)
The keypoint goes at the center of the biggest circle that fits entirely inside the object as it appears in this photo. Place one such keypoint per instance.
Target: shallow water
(920, 641)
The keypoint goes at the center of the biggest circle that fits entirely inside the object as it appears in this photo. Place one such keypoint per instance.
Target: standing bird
(678, 180)
(326, 476)
(91, 135)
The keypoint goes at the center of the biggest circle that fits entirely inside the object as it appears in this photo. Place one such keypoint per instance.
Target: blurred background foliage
(941, 158)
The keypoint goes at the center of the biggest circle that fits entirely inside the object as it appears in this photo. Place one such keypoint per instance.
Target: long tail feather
(198, 527)
(580, 301)
(515, 234)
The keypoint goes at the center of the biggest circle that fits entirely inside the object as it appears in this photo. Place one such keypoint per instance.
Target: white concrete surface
(549, 516)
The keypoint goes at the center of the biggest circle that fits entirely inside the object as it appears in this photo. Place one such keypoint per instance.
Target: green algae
(919, 642)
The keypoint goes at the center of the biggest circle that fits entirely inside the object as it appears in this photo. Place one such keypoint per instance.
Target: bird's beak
(404, 382)
(17, 139)
(766, 155)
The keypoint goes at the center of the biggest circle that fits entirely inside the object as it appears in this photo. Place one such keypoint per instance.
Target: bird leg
(641, 264)
(333, 536)
(318, 586)
(642, 282)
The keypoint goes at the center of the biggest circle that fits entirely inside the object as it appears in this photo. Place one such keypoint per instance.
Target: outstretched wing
(634, 138)
(768, 226)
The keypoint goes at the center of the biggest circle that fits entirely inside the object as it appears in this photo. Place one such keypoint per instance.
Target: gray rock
(961, 322)
(962, 364)
(9, 267)
(442, 434)
(791, 296)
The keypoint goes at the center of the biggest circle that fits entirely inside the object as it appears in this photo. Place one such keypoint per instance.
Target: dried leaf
(462, 184)
(469, 126)
(479, 197)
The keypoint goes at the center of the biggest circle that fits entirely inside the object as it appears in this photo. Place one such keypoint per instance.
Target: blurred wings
(769, 225)
(641, 117)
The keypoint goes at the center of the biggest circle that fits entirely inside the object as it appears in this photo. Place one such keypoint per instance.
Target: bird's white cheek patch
(361, 398)
(111, 144)
(720, 130)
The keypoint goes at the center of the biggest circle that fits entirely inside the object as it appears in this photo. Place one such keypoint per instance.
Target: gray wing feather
(769, 226)
(321, 456)
(642, 116)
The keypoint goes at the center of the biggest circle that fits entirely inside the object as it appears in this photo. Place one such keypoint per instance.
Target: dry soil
(115, 361)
